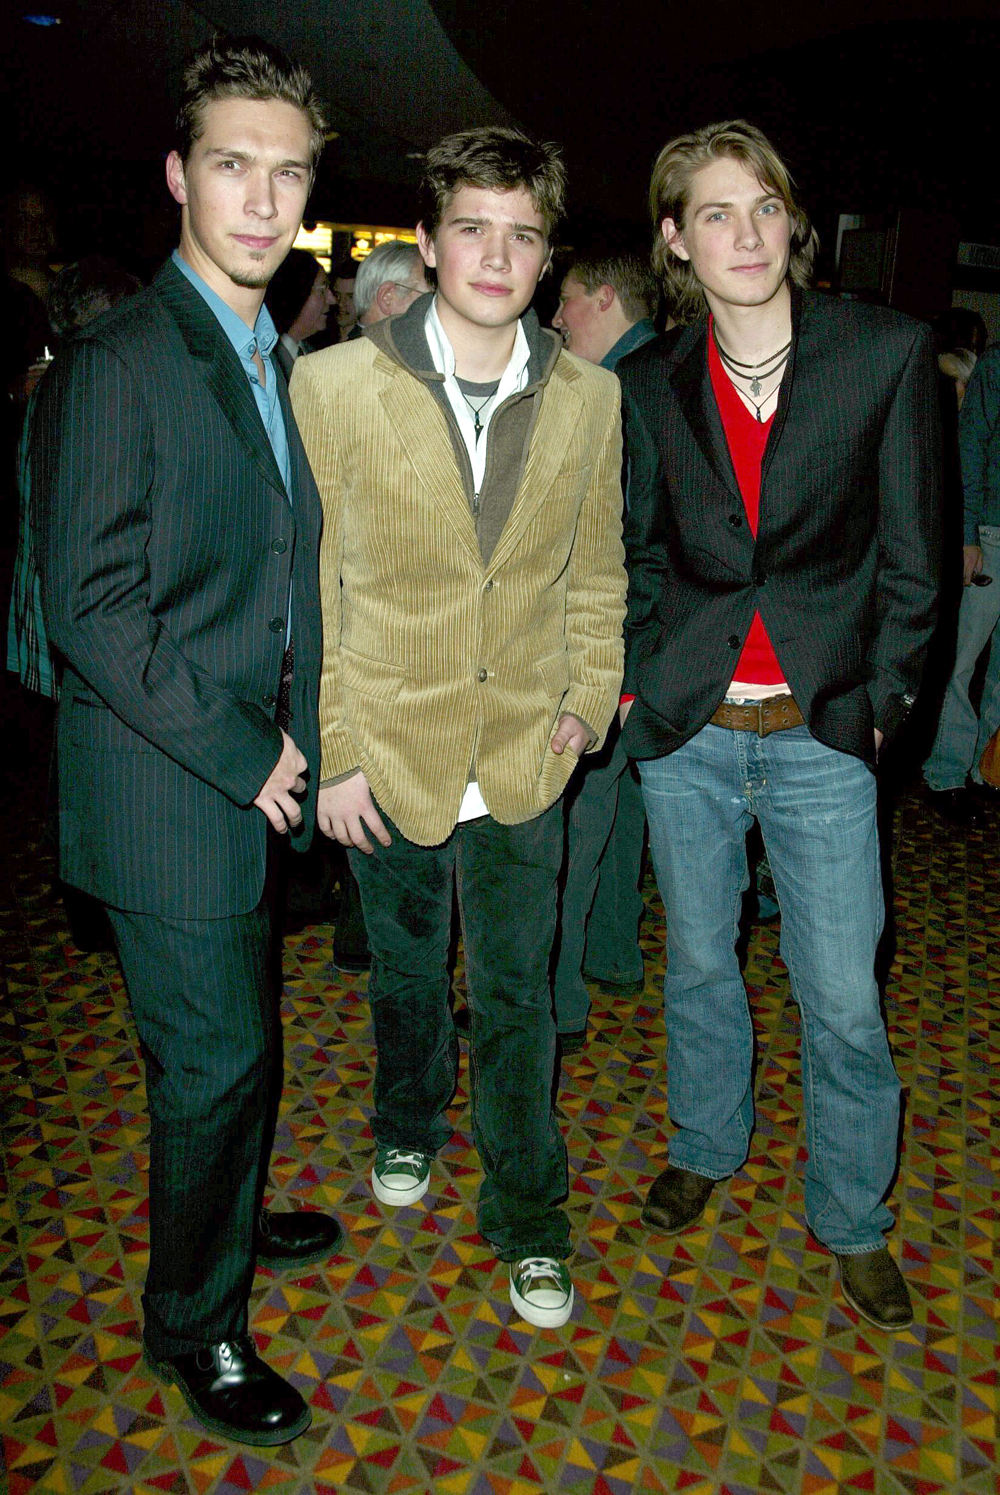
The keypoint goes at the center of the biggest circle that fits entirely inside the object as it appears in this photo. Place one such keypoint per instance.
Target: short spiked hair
(244, 67)
(500, 159)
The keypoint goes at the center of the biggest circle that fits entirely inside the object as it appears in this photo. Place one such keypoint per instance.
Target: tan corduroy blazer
(434, 663)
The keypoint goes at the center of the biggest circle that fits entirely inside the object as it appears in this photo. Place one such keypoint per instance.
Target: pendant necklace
(477, 410)
(756, 379)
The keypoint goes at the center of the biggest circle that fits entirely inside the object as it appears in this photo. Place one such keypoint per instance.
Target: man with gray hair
(389, 280)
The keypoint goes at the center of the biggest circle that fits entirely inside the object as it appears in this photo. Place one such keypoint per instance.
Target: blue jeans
(961, 737)
(816, 809)
(506, 879)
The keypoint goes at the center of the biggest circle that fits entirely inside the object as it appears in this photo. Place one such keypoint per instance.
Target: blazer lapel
(785, 390)
(303, 483)
(693, 386)
(427, 443)
(561, 408)
(217, 362)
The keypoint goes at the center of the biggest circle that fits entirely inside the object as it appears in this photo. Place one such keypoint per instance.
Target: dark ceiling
(889, 103)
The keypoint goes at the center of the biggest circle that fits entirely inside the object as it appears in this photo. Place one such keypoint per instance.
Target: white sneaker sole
(542, 1318)
(395, 1197)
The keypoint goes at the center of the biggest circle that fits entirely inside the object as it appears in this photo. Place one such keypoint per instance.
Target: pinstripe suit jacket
(434, 660)
(845, 563)
(169, 548)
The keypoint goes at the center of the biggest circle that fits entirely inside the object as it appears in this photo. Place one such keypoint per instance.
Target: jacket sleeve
(977, 429)
(909, 538)
(644, 528)
(595, 594)
(95, 483)
(314, 417)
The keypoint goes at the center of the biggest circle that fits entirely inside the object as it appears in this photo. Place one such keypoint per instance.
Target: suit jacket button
(735, 520)
(734, 641)
(483, 675)
(268, 700)
(488, 587)
(759, 578)
(279, 546)
(277, 625)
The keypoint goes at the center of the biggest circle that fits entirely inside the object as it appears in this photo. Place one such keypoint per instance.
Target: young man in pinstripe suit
(782, 550)
(179, 532)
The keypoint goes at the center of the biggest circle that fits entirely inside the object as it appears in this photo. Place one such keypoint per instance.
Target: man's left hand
(571, 733)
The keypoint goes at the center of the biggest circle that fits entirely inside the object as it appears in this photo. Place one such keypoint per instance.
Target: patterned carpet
(722, 1360)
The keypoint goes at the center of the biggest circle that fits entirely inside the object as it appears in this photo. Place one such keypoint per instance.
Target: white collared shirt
(512, 380)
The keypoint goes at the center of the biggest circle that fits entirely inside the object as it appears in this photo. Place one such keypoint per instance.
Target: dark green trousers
(205, 1001)
(506, 879)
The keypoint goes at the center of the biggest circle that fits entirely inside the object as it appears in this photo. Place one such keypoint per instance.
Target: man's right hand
(973, 562)
(283, 782)
(346, 810)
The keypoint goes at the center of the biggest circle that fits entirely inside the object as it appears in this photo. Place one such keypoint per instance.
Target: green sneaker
(400, 1177)
(541, 1290)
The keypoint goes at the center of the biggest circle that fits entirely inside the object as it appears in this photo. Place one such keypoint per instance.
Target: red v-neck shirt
(746, 437)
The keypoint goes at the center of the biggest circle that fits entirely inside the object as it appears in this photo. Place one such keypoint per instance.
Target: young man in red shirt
(782, 547)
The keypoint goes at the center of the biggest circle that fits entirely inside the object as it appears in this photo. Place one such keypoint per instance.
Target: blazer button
(735, 520)
(268, 700)
(277, 625)
(488, 587)
(483, 675)
(759, 578)
(279, 546)
(734, 641)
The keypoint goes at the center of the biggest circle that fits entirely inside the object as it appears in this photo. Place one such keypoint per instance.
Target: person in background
(177, 525)
(299, 299)
(607, 302)
(388, 282)
(783, 546)
(955, 787)
(343, 278)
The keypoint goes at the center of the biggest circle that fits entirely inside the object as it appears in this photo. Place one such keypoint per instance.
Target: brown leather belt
(773, 714)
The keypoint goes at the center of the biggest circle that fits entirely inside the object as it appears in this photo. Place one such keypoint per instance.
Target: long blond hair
(670, 190)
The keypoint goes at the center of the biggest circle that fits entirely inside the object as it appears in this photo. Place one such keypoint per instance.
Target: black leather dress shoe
(295, 1239)
(234, 1394)
(873, 1284)
(676, 1199)
(956, 806)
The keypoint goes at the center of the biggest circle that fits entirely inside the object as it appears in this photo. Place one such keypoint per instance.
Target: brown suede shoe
(676, 1199)
(873, 1285)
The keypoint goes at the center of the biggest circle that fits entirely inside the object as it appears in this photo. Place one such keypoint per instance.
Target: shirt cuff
(339, 778)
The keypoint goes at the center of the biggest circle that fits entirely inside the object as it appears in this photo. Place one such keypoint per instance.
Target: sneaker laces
(532, 1268)
(396, 1158)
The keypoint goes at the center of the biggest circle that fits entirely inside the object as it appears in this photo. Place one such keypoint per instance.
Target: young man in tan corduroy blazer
(473, 593)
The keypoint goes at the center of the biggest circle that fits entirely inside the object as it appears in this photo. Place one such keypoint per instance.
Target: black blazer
(169, 548)
(845, 565)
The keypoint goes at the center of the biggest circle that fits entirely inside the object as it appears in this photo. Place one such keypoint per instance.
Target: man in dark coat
(782, 540)
(178, 530)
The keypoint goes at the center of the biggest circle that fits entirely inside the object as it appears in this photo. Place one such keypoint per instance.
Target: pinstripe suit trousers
(204, 999)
